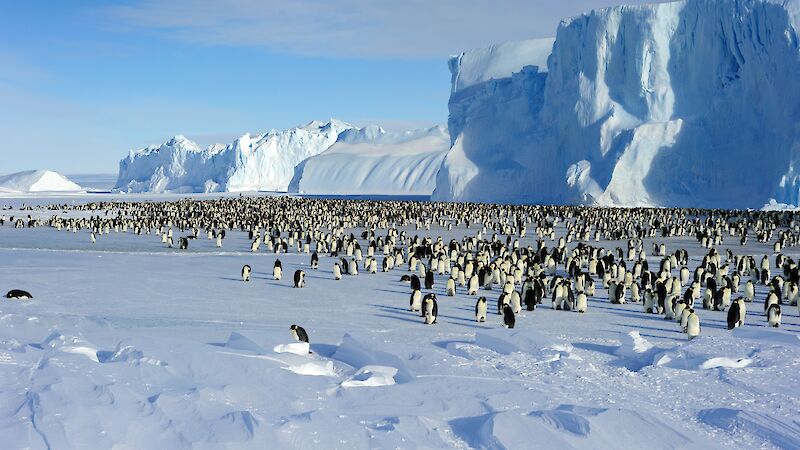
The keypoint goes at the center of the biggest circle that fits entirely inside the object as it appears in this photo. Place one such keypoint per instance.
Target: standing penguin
(337, 271)
(299, 278)
(774, 315)
(473, 285)
(582, 303)
(693, 325)
(734, 319)
(277, 270)
(246, 273)
(430, 308)
(314, 261)
(480, 310)
(353, 269)
(451, 287)
(429, 279)
(516, 304)
(508, 317)
(415, 302)
(300, 334)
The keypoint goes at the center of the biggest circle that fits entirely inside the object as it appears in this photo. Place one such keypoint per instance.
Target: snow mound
(37, 181)
(697, 355)
(250, 163)
(370, 161)
(634, 106)
(781, 434)
(507, 341)
(297, 348)
(372, 376)
(360, 356)
(314, 368)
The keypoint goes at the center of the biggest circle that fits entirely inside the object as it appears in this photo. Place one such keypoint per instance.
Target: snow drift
(31, 181)
(371, 161)
(690, 103)
(250, 163)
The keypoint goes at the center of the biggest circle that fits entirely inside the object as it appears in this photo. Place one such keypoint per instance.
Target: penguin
(415, 284)
(405, 279)
(692, 325)
(429, 279)
(18, 294)
(473, 285)
(502, 301)
(353, 268)
(774, 315)
(415, 302)
(515, 303)
(314, 261)
(245, 273)
(184, 243)
(530, 300)
(734, 319)
(508, 317)
(277, 270)
(337, 271)
(749, 291)
(649, 301)
(685, 318)
(451, 287)
(581, 303)
(299, 279)
(431, 309)
(300, 334)
(480, 310)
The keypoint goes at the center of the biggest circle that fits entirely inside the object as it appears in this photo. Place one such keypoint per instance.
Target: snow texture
(659, 104)
(37, 181)
(371, 161)
(251, 163)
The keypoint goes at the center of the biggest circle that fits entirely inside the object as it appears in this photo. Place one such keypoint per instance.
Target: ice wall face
(264, 162)
(691, 103)
(370, 161)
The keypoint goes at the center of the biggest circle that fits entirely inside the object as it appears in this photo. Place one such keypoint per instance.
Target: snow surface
(264, 162)
(659, 104)
(129, 344)
(37, 181)
(371, 161)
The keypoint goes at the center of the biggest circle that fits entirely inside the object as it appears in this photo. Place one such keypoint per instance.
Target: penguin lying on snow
(19, 294)
(300, 334)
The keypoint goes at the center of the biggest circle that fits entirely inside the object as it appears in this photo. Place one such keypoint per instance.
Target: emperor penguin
(734, 317)
(515, 303)
(451, 287)
(429, 279)
(353, 267)
(415, 302)
(749, 291)
(373, 265)
(774, 315)
(246, 273)
(277, 270)
(337, 271)
(480, 309)
(18, 294)
(431, 309)
(299, 278)
(582, 304)
(473, 285)
(508, 317)
(692, 325)
(314, 261)
(300, 334)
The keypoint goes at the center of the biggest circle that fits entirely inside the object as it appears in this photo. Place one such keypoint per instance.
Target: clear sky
(84, 82)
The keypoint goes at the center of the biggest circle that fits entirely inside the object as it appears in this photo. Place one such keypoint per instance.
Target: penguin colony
(488, 261)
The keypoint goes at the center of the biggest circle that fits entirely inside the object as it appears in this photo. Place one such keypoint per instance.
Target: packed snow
(371, 161)
(37, 181)
(659, 105)
(264, 162)
(130, 344)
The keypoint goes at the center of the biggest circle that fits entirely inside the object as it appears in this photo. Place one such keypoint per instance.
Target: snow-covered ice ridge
(251, 163)
(372, 161)
(690, 103)
(36, 181)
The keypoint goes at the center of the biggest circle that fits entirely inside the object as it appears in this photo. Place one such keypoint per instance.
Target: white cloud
(351, 28)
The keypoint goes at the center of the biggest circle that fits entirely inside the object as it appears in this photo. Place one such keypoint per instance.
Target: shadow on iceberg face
(737, 98)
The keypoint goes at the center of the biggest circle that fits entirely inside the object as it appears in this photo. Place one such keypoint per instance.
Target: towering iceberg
(370, 161)
(689, 103)
(250, 163)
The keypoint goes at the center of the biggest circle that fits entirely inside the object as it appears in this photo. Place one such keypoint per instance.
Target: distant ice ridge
(690, 103)
(372, 161)
(32, 181)
(250, 163)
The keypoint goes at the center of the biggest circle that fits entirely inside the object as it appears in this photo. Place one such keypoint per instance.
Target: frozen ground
(128, 344)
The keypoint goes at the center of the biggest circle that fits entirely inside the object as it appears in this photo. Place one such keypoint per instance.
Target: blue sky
(84, 82)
